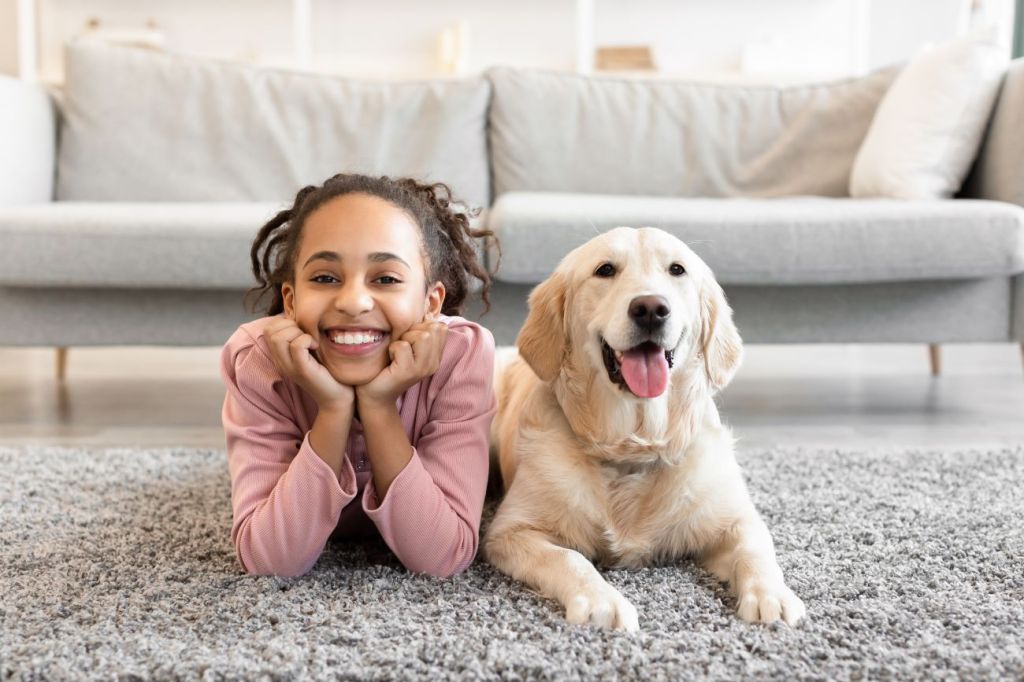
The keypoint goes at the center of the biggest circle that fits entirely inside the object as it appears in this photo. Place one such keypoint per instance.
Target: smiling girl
(362, 400)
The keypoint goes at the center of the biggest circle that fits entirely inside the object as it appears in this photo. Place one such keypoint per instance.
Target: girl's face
(359, 284)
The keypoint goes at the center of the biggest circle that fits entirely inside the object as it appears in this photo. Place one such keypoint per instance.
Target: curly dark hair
(448, 239)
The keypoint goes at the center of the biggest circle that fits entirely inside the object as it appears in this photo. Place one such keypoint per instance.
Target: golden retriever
(609, 442)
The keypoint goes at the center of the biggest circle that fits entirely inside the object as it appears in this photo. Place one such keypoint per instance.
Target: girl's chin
(356, 376)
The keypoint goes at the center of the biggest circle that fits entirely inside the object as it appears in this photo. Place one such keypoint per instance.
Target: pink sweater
(287, 501)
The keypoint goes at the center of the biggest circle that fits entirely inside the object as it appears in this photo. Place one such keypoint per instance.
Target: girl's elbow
(269, 567)
(450, 566)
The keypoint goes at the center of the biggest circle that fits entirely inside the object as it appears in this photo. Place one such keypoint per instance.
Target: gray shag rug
(117, 564)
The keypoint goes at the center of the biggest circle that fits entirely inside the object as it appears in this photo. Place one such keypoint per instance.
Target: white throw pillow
(928, 126)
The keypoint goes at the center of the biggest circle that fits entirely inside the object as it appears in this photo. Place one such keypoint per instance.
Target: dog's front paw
(769, 602)
(601, 605)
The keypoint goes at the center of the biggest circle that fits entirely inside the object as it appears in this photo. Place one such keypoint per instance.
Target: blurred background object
(728, 40)
(637, 58)
(149, 35)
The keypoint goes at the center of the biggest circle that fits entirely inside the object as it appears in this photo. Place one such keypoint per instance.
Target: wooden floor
(814, 396)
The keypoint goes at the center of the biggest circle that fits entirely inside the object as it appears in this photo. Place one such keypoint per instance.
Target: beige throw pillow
(928, 126)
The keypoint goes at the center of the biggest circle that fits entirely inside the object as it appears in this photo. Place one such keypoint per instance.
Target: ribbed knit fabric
(287, 501)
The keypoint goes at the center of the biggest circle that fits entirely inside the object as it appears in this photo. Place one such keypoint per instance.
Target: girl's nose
(353, 299)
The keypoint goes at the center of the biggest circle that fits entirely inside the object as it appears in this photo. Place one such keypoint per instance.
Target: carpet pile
(117, 563)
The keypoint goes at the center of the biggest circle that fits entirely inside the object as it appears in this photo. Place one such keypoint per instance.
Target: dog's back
(513, 383)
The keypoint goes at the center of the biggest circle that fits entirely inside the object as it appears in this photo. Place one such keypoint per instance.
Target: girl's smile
(357, 341)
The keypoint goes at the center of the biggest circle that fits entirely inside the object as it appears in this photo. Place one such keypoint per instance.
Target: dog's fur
(592, 472)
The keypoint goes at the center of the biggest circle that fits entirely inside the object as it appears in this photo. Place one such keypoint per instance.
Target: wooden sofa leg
(62, 363)
(936, 358)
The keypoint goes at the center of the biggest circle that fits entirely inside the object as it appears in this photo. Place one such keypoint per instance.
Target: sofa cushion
(151, 245)
(152, 126)
(804, 240)
(927, 129)
(562, 132)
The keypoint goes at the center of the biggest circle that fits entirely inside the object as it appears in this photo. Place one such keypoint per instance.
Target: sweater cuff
(408, 478)
(344, 486)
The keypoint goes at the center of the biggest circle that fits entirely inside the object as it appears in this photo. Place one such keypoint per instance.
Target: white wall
(701, 38)
(696, 36)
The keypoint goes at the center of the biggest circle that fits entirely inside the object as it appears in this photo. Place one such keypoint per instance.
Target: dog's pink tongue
(645, 370)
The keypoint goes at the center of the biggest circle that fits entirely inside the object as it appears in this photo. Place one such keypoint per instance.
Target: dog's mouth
(642, 370)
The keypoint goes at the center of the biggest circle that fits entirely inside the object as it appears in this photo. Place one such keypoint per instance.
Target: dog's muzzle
(645, 376)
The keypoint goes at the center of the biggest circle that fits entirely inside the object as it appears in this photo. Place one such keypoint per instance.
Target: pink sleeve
(430, 517)
(285, 499)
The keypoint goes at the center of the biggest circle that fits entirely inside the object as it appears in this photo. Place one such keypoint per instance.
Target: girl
(361, 401)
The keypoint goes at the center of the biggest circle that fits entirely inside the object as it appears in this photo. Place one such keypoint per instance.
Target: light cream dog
(609, 441)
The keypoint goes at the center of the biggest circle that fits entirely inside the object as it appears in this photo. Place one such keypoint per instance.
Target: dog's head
(640, 304)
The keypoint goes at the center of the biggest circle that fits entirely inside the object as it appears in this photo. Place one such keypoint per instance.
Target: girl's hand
(415, 356)
(291, 349)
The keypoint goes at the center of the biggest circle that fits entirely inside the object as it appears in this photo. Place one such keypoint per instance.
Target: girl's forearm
(329, 436)
(387, 446)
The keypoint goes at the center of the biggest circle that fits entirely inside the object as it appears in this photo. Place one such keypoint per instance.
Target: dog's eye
(676, 270)
(606, 270)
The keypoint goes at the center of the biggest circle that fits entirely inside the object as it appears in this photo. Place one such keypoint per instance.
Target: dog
(608, 440)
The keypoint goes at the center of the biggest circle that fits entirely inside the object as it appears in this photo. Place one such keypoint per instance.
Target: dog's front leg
(744, 557)
(562, 574)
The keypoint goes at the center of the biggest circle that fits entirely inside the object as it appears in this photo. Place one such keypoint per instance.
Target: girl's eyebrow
(324, 255)
(377, 257)
(381, 256)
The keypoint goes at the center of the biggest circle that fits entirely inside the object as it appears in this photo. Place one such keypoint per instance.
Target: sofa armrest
(28, 136)
(998, 172)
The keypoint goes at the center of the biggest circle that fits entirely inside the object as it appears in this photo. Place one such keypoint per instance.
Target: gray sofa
(129, 201)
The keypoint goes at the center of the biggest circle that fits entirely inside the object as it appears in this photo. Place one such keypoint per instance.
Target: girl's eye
(387, 279)
(676, 270)
(319, 279)
(606, 270)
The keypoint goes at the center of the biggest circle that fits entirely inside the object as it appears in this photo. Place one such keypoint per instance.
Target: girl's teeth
(355, 339)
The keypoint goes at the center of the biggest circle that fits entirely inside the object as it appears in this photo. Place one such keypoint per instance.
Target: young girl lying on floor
(362, 399)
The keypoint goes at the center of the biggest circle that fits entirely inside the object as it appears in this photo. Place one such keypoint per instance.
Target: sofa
(129, 198)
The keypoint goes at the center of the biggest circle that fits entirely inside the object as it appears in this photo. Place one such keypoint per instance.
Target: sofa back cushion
(153, 126)
(562, 132)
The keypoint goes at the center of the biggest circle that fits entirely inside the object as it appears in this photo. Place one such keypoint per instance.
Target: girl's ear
(435, 299)
(288, 294)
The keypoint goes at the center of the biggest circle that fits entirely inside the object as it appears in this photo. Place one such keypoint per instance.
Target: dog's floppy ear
(719, 339)
(543, 339)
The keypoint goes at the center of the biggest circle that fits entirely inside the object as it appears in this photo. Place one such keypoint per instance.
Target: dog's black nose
(649, 312)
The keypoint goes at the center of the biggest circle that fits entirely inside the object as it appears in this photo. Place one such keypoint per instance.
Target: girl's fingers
(415, 337)
(279, 352)
(428, 347)
(401, 356)
(299, 349)
(282, 334)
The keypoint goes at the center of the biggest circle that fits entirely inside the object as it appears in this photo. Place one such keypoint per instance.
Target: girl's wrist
(340, 407)
(371, 404)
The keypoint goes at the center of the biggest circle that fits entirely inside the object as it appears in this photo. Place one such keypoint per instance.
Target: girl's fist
(292, 350)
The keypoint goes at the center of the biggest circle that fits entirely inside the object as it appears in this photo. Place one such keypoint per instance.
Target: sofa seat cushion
(148, 245)
(799, 240)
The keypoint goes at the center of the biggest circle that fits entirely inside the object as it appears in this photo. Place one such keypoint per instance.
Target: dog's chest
(640, 526)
